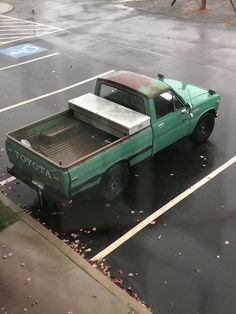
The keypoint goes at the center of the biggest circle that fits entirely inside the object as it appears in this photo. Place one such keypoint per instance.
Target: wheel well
(213, 111)
(124, 161)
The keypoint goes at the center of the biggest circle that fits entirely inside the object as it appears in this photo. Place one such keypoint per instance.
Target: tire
(203, 129)
(115, 180)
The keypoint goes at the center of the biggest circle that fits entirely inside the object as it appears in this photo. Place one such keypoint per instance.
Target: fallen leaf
(153, 222)
(159, 237)
(226, 242)
(117, 281)
(10, 254)
(130, 274)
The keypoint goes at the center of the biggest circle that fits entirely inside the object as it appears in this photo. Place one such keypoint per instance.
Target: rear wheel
(115, 180)
(203, 128)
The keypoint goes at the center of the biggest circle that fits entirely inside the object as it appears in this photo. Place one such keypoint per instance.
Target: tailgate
(36, 170)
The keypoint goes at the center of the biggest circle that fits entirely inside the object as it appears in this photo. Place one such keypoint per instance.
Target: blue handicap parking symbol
(22, 50)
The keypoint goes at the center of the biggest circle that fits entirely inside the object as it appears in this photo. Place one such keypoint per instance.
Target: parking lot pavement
(98, 37)
(185, 262)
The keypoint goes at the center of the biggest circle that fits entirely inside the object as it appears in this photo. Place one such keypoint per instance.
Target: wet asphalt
(185, 262)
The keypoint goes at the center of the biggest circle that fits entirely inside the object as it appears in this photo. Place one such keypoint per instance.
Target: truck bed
(90, 124)
(63, 139)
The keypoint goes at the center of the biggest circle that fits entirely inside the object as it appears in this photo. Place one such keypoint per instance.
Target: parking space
(180, 262)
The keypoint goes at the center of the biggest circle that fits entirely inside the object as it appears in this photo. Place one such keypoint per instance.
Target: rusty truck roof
(138, 82)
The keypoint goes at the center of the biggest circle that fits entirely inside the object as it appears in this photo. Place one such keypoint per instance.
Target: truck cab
(168, 103)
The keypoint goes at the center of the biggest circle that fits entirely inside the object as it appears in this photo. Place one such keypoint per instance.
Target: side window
(177, 103)
(164, 104)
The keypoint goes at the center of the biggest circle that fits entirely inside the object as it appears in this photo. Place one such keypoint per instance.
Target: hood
(187, 91)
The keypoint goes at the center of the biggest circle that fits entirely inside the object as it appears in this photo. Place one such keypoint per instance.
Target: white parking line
(32, 36)
(14, 29)
(23, 21)
(162, 210)
(29, 61)
(54, 92)
(8, 180)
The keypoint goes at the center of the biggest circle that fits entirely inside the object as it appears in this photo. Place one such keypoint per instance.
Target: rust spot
(138, 82)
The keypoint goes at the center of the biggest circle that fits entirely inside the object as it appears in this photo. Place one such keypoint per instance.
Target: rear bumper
(45, 191)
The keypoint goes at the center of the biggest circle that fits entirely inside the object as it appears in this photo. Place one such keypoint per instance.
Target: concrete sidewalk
(218, 11)
(5, 8)
(41, 274)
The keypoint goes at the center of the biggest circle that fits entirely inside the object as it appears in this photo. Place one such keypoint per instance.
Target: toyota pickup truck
(130, 117)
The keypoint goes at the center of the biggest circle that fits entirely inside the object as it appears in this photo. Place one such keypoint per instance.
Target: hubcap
(115, 185)
(204, 129)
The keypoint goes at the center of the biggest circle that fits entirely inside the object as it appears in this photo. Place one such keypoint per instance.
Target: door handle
(161, 124)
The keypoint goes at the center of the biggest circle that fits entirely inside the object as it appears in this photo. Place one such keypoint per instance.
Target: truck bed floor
(76, 146)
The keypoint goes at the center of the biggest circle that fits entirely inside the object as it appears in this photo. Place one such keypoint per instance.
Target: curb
(5, 8)
(134, 305)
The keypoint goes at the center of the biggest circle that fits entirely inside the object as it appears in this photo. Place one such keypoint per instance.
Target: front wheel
(203, 128)
(115, 180)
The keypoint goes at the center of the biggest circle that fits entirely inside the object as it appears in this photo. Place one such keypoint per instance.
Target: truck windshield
(122, 97)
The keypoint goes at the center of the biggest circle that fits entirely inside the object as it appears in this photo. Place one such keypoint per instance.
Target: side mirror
(189, 108)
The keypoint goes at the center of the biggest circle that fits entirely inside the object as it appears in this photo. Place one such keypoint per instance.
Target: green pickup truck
(96, 141)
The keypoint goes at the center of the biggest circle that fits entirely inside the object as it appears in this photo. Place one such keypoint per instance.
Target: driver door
(172, 120)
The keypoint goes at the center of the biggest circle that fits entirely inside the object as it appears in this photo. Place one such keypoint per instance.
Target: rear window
(122, 97)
